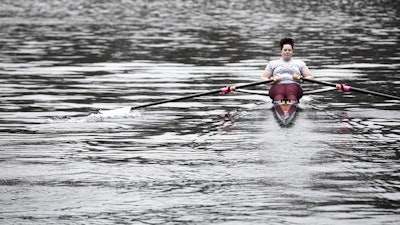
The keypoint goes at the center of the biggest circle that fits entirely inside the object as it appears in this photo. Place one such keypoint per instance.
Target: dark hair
(286, 41)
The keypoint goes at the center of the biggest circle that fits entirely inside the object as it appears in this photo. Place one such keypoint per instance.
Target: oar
(346, 88)
(222, 90)
(266, 93)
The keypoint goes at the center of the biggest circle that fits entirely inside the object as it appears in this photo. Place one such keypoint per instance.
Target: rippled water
(218, 159)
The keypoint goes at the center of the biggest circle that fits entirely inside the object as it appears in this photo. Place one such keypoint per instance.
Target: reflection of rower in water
(286, 73)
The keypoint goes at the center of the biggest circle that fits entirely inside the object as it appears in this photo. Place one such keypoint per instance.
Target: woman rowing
(286, 73)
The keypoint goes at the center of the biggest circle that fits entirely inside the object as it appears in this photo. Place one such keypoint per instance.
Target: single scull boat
(285, 111)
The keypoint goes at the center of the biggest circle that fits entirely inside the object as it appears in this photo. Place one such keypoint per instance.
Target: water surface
(219, 159)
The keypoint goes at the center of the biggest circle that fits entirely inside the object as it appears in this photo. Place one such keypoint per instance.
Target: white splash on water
(100, 116)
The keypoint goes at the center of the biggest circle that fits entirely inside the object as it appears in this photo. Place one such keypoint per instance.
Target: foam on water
(100, 116)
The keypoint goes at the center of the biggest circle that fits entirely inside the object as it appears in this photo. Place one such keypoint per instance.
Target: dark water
(220, 159)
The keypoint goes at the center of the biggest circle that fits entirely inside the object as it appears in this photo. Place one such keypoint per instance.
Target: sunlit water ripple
(217, 159)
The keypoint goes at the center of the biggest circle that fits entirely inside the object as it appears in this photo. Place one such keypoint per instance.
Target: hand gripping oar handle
(222, 90)
(346, 88)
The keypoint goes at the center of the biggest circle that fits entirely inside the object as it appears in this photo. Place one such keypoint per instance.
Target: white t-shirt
(286, 69)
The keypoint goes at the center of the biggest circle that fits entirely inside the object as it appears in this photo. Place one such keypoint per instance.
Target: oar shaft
(375, 93)
(348, 88)
(223, 90)
(176, 99)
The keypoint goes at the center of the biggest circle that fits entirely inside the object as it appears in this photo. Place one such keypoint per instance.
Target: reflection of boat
(285, 111)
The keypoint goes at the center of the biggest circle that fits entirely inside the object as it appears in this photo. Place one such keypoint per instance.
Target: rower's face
(287, 52)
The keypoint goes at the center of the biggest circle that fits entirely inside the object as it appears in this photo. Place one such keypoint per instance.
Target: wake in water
(100, 116)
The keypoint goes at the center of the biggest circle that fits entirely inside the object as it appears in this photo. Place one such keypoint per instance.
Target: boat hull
(285, 112)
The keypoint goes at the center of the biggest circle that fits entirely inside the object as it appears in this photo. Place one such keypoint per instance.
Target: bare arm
(266, 75)
(307, 74)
